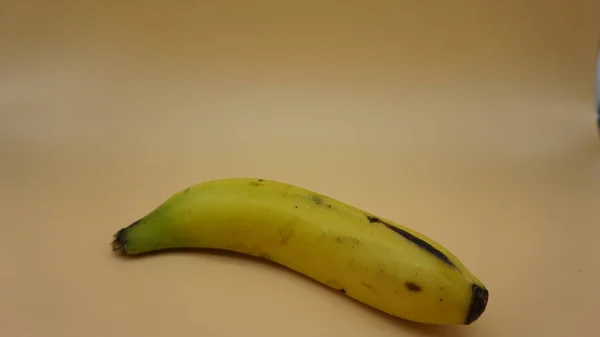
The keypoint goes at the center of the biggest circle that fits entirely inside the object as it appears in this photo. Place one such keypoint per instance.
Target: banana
(371, 259)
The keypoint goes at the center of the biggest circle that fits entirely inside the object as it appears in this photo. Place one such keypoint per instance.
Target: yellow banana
(371, 259)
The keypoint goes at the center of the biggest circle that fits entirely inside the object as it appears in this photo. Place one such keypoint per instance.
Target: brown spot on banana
(347, 240)
(257, 183)
(368, 286)
(318, 200)
(415, 288)
(286, 234)
(336, 285)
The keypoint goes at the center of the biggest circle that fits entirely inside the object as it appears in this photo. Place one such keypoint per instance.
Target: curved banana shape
(373, 260)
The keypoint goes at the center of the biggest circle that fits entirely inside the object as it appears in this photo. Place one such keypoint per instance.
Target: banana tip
(120, 239)
(118, 242)
(478, 303)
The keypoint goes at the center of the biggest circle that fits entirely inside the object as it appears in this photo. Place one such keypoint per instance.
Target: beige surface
(474, 125)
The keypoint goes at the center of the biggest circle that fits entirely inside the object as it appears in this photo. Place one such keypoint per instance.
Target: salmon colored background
(470, 121)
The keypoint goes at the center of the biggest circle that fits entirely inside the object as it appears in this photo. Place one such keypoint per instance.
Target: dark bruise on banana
(419, 242)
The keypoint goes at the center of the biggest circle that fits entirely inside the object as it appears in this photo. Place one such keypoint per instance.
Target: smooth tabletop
(472, 122)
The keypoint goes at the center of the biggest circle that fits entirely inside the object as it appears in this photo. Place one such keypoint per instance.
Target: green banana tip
(120, 239)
